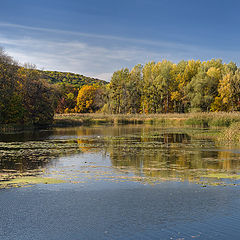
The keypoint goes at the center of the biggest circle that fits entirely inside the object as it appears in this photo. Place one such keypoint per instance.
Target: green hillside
(73, 79)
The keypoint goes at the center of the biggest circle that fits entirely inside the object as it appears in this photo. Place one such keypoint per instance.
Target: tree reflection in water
(144, 151)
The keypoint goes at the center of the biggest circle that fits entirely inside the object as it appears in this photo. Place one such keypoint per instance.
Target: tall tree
(88, 99)
(118, 91)
(25, 98)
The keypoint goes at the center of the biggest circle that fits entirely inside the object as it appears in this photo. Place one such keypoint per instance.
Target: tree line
(163, 87)
(166, 87)
(28, 97)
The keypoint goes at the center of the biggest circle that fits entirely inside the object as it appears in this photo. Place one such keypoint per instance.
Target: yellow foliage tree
(214, 73)
(86, 99)
(228, 89)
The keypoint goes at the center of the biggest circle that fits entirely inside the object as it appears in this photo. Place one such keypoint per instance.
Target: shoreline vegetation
(221, 119)
(229, 123)
(201, 119)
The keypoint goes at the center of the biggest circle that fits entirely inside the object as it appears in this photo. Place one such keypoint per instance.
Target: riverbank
(221, 119)
(229, 121)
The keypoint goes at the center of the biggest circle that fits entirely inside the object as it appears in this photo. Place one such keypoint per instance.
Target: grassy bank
(228, 135)
(188, 119)
(231, 122)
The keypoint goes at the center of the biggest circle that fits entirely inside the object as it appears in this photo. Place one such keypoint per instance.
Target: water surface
(119, 182)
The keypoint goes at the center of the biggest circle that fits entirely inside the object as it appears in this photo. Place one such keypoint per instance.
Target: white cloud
(74, 56)
(94, 59)
(158, 43)
(106, 76)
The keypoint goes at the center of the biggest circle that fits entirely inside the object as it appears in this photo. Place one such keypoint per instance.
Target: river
(118, 182)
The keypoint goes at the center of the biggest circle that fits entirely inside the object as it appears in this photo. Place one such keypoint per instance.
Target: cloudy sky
(97, 37)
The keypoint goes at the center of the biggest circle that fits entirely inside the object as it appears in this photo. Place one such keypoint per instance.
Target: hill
(68, 78)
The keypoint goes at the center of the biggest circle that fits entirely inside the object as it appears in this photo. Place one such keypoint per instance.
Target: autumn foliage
(162, 87)
(87, 99)
(25, 98)
(165, 87)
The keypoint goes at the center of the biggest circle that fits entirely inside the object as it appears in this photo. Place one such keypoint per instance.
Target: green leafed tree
(25, 98)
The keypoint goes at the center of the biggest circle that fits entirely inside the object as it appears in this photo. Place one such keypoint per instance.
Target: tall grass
(221, 119)
(193, 119)
(231, 134)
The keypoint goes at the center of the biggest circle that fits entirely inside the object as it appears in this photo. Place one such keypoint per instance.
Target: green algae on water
(223, 176)
(27, 181)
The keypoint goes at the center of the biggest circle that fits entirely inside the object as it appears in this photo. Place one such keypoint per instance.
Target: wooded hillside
(76, 80)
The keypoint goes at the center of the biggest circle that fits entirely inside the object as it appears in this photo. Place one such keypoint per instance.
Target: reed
(231, 134)
(194, 119)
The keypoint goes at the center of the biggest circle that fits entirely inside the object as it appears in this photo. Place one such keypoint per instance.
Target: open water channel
(118, 182)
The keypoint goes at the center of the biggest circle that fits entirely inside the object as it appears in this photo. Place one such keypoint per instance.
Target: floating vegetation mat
(24, 156)
(23, 163)
(28, 181)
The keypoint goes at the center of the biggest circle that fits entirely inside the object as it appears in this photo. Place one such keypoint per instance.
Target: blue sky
(98, 37)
